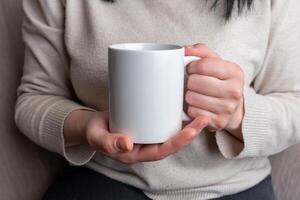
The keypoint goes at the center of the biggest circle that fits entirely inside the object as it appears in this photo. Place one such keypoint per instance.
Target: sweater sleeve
(272, 102)
(45, 96)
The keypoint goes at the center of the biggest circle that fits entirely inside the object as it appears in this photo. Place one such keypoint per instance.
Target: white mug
(146, 82)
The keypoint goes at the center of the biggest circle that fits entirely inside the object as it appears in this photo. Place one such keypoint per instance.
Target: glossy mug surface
(146, 82)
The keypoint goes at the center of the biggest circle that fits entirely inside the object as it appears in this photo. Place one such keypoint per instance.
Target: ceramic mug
(146, 90)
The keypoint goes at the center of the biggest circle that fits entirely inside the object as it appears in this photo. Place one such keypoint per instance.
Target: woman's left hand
(215, 90)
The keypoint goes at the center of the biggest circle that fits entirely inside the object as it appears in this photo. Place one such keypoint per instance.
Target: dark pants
(77, 183)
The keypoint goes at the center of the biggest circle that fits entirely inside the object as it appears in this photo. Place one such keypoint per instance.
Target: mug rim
(140, 47)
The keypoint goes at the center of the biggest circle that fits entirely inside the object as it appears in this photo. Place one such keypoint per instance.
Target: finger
(208, 103)
(129, 157)
(159, 151)
(139, 153)
(153, 152)
(212, 67)
(216, 122)
(112, 143)
(195, 112)
(200, 50)
(188, 133)
(207, 85)
(148, 153)
(198, 123)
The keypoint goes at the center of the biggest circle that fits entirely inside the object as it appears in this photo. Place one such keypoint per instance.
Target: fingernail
(121, 144)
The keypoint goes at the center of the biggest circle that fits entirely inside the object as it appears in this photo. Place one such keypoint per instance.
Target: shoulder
(48, 12)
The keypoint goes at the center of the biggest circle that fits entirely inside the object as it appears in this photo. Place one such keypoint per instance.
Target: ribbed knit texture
(66, 69)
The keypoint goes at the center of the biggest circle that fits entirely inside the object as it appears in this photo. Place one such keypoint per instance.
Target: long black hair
(229, 6)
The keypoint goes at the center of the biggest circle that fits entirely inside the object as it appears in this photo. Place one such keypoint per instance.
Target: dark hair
(229, 6)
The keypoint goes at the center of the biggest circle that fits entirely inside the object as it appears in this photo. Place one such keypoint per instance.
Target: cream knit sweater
(66, 69)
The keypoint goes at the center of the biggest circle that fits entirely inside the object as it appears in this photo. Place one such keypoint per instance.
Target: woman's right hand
(120, 146)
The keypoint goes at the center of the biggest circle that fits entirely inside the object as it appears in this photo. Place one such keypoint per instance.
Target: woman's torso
(91, 26)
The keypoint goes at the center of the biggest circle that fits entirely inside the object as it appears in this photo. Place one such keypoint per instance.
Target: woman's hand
(215, 90)
(119, 146)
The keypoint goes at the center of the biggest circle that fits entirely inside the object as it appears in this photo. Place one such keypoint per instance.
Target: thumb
(111, 143)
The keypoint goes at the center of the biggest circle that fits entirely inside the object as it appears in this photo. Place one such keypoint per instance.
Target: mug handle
(187, 61)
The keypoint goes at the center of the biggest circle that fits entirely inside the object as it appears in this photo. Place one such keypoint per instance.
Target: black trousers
(78, 183)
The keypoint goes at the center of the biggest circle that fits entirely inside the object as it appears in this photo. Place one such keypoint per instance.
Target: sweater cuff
(51, 127)
(256, 128)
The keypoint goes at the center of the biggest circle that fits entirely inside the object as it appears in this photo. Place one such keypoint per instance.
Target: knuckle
(220, 122)
(229, 108)
(191, 82)
(205, 61)
(239, 72)
(236, 93)
(93, 139)
(192, 112)
(108, 146)
(176, 145)
(189, 97)
(240, 76)
(90, 138)
(201, 65)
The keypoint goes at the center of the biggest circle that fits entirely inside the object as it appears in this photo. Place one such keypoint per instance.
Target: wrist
(234, 127)
(75, 127)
